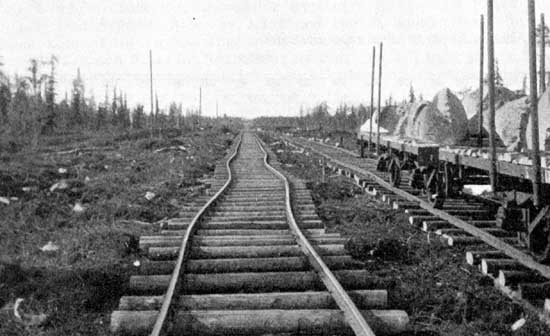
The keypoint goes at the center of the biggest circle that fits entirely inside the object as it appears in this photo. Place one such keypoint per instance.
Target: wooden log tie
(259, 322)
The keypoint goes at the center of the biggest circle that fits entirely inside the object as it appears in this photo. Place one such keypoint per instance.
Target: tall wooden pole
(372, 96)
(323, 173)
(200, 106)
(379, 99)
(151, 87)
(534, 102)
(542, 80)
(491, 71)
(481, 57)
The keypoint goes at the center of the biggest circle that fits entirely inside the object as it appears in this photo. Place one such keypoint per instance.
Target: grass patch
(108, 176)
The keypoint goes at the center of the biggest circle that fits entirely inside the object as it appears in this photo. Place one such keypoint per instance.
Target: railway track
(253, 260)
(462, 221)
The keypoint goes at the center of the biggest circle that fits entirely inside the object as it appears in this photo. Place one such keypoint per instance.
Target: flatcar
(442, 171)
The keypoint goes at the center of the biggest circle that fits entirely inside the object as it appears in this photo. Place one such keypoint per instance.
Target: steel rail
(488, 238)
(161, 317)
(351, 312)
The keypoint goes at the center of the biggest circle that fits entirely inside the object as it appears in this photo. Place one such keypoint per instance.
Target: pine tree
(156, 118)
(34, 77)
(77, 101)
(50, 117)
(126, 113)
(412, 97)
(19, 111)
(174, 113)
(101, 118)
(138, 118)
(114, 111)
(5, 99)
(498, 78)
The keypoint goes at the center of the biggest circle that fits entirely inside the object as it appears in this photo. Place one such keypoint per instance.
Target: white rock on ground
(78, 208)
(61, 185)
(49, 247)
(544, 122)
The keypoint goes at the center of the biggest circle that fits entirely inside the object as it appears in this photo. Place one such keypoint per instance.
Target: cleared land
(88, 198)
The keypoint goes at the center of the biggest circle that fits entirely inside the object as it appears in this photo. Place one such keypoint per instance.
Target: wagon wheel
(395, 172)
(450, 182)
(538, 238)
(382, 163)
(434, 188)
(447, 180)
(416, 178)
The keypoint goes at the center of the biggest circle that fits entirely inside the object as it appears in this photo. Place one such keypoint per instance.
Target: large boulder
(510, 123)
(402, 113)
(388, 118)
(441, 121)
(544, 123)
(407, 124)
(470, 101)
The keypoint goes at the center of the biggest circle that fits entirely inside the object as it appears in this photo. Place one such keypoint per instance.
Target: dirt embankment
(440, 292)
(71, 215)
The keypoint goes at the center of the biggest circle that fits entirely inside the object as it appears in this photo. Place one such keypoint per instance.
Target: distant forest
(346, 118)
(30, 108)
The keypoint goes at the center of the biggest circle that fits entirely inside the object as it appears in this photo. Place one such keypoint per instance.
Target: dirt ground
(89, 198)
(440, 292)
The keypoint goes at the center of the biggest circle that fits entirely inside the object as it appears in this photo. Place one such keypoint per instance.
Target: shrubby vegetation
(30, 109)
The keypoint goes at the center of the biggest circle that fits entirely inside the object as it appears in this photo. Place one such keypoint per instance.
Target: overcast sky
(263, 57)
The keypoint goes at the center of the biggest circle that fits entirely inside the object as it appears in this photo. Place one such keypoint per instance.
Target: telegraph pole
(379, 98)
(534, 103)
(542, 80)
(481, 58)
(200, 106)
(372, 96)
(151, 87)
(491, 71)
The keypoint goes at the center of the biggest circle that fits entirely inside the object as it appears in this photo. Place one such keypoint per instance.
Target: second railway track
(462, 220)
(254, 260)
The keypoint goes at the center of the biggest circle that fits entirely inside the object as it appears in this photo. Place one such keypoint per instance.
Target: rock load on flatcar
(544, 122)
(510, 123)
(443, 120)
(470, 101)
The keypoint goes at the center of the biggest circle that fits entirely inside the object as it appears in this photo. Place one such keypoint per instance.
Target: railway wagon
(441, 171)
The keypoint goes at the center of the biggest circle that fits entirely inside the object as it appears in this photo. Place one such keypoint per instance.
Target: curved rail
(161, 317)
(351, 312)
